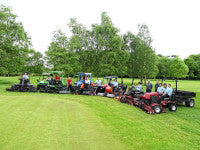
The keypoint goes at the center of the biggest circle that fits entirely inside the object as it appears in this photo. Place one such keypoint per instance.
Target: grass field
(37, 121)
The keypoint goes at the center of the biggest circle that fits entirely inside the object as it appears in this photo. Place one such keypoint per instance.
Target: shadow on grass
(5, 82)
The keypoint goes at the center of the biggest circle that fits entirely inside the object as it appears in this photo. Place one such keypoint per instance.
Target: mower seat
(86, 85)
(115, 89)
(168, 98)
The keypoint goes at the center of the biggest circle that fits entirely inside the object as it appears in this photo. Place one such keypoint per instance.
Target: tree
(196, 58)
(111, 59)
(35, 62)
(129, 44)
(163, 66)
(81, 44)
(144, 57)
(192, 65)
(177, 68)
(14, 42)
(60, 56)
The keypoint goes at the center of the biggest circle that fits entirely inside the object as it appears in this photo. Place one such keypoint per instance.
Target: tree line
(101, 50)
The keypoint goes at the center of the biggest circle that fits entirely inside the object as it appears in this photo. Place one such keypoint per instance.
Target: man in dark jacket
(149, 86)
(156, 86)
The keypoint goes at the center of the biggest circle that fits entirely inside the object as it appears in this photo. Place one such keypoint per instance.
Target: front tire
(157, 109)
(172, 107)
(123, 99)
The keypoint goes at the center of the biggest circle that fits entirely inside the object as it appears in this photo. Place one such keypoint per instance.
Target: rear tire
(172, 107)
(190, 103)
(157, 109)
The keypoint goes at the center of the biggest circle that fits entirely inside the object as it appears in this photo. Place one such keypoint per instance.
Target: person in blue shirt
(98, 82)
(24, 79)
(139, 87)
(48, 78)
(160, 89)
(170, 90)
(25, 76)
(167, 92)
(115, 84)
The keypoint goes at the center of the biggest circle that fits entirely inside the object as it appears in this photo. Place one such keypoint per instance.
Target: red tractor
(108, 90)
(148, 101)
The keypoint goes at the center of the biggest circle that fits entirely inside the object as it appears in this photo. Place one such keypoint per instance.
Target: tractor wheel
(93, 94)
(33, 89)
(140, 105)
(123, 99)
(172, 107)
(190, 103)
(13, 87)
(38, 87)
(157, 109)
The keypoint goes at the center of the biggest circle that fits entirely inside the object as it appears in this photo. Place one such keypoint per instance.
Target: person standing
(156, 86)
(69, 81)
(110, 83)
(149, 86)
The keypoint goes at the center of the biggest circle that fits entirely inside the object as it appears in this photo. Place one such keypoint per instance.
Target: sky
(174, 24)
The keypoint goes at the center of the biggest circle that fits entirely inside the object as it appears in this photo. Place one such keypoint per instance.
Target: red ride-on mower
(108, 90)
(87, 89)
(148, 101)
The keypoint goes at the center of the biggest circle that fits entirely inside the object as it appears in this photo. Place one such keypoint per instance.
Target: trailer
(184, 97)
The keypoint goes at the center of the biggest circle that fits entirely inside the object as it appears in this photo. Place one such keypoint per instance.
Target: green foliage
(129, 45)
(14, 42)
(177, 68)
(35, 62)
(144, 58)
(111, 59)
(81, 44)
(100, 50)
(163, 67)
(193, 63)
(59, 55)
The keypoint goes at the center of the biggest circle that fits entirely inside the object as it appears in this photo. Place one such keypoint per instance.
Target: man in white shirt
(87, 81)
(98, 82)
(115, 84)
(25, 76)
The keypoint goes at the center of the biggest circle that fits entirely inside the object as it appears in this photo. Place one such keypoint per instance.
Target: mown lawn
(48, 121)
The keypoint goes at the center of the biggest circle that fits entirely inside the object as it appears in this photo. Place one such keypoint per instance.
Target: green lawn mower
(52, 82)
(44, 81)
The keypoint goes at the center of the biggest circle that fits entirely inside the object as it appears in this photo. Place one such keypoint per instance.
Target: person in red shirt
(69, 82)
(57, 78)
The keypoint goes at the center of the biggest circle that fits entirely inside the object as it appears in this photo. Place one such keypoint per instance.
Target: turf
(50, 121)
